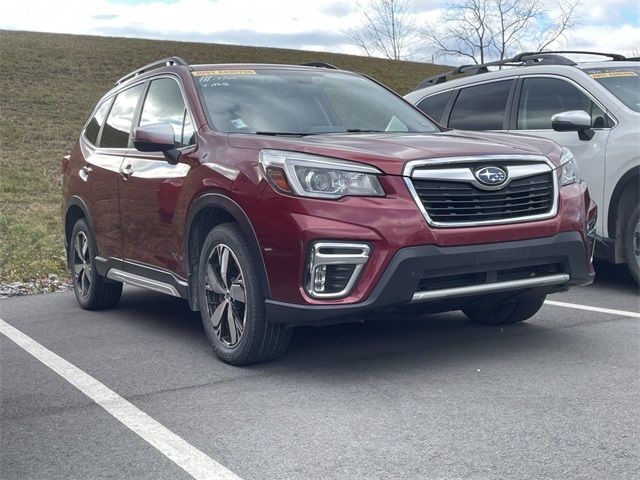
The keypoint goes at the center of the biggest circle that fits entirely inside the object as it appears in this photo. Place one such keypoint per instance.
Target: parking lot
(434, 397)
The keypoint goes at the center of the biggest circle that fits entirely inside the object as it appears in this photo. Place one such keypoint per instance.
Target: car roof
(563, 70)
(240, 66)
(178, 63)
(554, 62)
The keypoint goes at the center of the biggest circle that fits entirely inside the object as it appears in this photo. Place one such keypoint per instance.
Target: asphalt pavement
(432, 397)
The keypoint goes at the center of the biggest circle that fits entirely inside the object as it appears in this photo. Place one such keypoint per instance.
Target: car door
(150, 186)
(541, 97)
(104, 146)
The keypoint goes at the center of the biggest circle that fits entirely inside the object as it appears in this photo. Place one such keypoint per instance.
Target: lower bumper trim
(491, 267)
(445, 293)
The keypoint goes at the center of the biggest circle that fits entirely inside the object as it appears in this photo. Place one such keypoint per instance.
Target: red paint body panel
(97, 186)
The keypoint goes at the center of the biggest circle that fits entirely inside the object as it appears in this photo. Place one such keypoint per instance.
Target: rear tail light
(334, 268)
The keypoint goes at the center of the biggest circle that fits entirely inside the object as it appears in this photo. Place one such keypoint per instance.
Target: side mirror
(573, 121)
(157, 137)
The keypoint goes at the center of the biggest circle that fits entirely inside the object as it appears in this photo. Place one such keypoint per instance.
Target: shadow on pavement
(438, 339)
(614, 276)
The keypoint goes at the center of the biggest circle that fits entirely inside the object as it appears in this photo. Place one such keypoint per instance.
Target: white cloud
(306, 24)
(201, 20)
(603, 38)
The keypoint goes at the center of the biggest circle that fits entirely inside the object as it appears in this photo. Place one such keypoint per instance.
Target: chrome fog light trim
(324, 254)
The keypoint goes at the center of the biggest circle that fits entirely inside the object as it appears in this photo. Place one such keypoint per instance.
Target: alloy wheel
(82, 264)
(226, 295)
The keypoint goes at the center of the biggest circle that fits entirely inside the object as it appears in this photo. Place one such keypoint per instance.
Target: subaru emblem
(491, 175)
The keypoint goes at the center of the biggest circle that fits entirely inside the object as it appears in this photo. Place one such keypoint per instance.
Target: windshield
(278, 101)
(623, 82)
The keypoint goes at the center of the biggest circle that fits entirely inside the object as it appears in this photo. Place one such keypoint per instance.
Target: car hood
(390, 151)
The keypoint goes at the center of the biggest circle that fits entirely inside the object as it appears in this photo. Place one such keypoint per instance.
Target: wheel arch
(207, 211)
(74, 211)
(629, 178)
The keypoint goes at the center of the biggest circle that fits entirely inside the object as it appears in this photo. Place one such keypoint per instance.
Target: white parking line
(175, 448)
(593, 309)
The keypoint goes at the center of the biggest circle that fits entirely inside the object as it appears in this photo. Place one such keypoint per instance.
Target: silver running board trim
(143, 282)
(490, 287)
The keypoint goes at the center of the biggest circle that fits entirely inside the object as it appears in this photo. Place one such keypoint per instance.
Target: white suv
(592, 108)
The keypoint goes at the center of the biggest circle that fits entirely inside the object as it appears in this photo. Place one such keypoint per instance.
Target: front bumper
(447, 278)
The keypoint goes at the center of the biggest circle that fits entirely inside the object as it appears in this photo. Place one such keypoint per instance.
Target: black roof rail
(613, 56)
(541, 58)
(319, 65)
(520, 60)
(158, 64)
(435, 80)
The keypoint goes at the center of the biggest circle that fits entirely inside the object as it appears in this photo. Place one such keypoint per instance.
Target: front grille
(461, 202)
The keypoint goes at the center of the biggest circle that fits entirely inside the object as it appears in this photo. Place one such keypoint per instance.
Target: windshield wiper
(288, 134)
(363, 130)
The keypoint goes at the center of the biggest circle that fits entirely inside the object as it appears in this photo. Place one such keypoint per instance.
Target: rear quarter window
(435, 104)
(95, 124)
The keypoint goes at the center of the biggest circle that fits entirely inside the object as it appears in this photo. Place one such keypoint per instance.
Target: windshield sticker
(207, 73)
(613, 74)
(238, 123)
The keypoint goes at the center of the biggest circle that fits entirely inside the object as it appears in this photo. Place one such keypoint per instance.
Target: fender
(615, 199)
(232, 208)
(75, 201)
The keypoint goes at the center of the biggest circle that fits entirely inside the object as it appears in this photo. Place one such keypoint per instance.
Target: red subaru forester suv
(270, 196)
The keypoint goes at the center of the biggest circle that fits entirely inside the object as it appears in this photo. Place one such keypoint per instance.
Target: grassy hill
(49, 85)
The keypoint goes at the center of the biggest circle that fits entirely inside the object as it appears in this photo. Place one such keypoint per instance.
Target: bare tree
(482, 30)
(462, 31)
(387, 29)
(559, 24)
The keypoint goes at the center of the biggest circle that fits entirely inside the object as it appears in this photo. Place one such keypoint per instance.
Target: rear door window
(435, 104)
(542, 98)
(164, 104)
(481, 107)
(116, 131)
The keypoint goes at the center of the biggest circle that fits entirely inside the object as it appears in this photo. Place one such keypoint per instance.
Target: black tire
(237, 330)
(506, 313)
(92, 291)
(631, 240)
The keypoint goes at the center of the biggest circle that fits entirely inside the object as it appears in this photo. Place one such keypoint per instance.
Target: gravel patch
(51, 284)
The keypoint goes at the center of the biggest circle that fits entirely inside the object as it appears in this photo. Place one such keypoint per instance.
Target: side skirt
(144, 276)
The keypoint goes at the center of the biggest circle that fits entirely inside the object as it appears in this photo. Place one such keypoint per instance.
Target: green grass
(49, 85)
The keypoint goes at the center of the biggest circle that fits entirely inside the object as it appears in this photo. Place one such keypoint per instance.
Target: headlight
(319, 177)
(569, 166)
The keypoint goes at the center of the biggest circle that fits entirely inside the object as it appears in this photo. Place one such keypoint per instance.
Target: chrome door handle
(126, 171)
(84, 172)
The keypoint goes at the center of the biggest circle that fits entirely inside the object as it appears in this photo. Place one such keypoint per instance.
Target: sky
(321, 25)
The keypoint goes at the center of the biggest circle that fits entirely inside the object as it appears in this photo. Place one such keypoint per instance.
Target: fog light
(319, 278)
